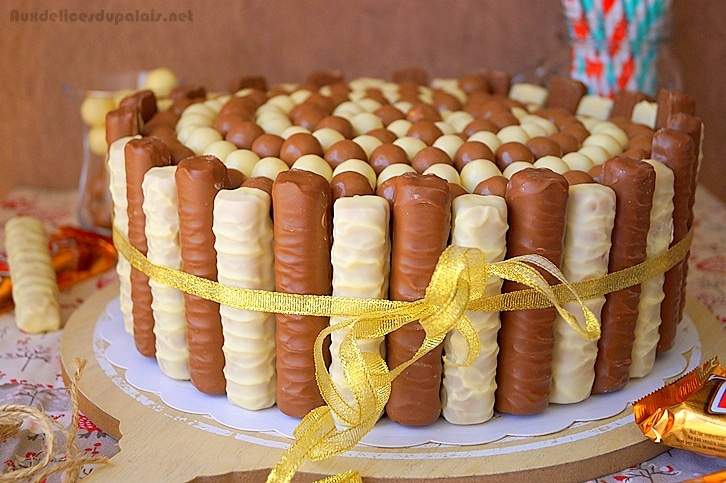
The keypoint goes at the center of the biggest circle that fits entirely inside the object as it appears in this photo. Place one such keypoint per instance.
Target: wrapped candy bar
(76, 255)
(689, 413)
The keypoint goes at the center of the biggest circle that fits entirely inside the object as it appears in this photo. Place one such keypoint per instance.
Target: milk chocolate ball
(297, 145)
(512, 151)
(386, 155)
(243, 134)
(342, 151)
(267, 145)
(429, 156)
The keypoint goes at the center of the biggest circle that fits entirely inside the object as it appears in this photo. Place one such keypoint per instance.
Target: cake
(356, 188)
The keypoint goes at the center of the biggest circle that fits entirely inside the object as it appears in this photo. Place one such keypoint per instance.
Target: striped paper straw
(615, 43)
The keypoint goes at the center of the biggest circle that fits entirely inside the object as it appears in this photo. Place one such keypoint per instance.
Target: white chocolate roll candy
(467, 393)
(590, 218)
(117, 184)
(167, 304)
(360, 257)
(659, 239)
(243, 231)
(35, 289)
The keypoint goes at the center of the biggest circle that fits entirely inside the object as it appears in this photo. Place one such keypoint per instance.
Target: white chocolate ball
(284, 102)
(220, 149)
(514, 167)
(513, 133)
(533, 129)
(161, 81)
(598, 154)
(269, 167)
(367, 142)
(95, 107)
(275, 124)
(243, 160)
(358, 166)
(488, 138)
(315, 164)
(216, 102)
(554, 163)
(393, 170)
(364, 122)
(449, 143)
(399, 127)
(444, 171)
(200, 108)
(289, 131)
(201, 137)
(458, 120)
(299, 96)
(605, 141)
(97, 140)
(368, 104)
(410, 144)
(607, 127)
(476, 171)
(194, 119)
(445, 127)
(327, 136)
(578, 161)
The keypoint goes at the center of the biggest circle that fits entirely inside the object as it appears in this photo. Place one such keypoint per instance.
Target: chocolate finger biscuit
(141, 155)
(421, 219)
(302, 233)
(198, 179)
(537, 202)
(634, 185)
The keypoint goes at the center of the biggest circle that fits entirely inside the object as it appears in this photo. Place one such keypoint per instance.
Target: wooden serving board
(159, 443)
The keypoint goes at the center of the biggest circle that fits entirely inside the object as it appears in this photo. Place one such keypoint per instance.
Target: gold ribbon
(457, 286)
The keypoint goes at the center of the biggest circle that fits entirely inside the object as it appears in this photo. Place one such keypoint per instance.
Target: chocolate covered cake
(355, 189)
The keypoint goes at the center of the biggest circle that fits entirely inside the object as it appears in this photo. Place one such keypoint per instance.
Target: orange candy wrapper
(689, 413)
(76, 254)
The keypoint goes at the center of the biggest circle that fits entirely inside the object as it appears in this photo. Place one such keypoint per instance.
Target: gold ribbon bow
(457, 286)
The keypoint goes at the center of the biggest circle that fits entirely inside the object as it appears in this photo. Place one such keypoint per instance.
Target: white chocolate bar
(117, 183)
(467, 393)
(162, 237)
(659, 239)
(590, 219)
(243, 241)
(35, 289)
(360, 256)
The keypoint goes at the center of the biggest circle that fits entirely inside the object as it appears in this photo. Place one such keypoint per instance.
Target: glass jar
(94, 196)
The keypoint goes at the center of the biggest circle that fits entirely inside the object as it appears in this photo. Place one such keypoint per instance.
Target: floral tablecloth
(30, 371)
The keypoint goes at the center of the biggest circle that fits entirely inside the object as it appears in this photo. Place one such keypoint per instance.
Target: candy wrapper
(689, 413)
(76, 255)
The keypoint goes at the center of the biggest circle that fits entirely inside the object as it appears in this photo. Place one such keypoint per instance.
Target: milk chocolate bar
(198, 179)
(671, 102)
(421, 219)
(677, 151)
(303, 234)
(537, 202)
(634, 185)
(565, 93)
(141, 155)
(121, 122)
(624, 102)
